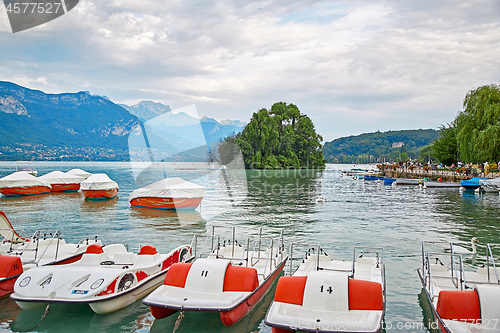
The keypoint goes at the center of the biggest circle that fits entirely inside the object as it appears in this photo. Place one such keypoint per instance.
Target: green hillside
(379, 146)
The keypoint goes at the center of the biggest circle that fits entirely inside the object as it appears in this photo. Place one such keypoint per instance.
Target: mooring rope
(177, 321)
(43, 317)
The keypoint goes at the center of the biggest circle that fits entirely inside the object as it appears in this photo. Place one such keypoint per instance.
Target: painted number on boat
(329, 290)
(204, 273)
(80, 292)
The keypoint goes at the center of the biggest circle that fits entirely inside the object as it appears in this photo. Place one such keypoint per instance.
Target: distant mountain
(146, 110)
(69, 119)
(378, 146)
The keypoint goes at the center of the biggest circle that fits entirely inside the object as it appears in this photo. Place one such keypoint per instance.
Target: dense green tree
(478, 125)
(276, 138)
(445, 148)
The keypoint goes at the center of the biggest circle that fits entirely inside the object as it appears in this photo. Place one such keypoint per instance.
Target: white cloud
(352, 66)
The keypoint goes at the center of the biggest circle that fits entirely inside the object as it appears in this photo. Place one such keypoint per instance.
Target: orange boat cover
(365, 295)
(239, 278)
(10, 266)
(148, 249)
(460, 305)
(95, 249)
(177, 275)
(290, 289)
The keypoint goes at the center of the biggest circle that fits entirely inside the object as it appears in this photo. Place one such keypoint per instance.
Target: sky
(351, 66)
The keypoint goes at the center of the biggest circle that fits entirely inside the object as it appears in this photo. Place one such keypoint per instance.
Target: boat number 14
(329, 290)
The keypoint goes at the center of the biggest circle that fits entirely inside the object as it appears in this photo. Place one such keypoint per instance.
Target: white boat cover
(59, 177)
(169, 188)
(98, 182)
(79, 172)
(491, 183)
(22, 179)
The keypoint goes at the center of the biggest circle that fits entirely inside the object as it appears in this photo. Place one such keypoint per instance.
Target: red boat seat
(290, 289)
(94, 249)
(177, 274)
(365, 295)
(460, 305)
(10, 266)
(240, 278)
(148, 250)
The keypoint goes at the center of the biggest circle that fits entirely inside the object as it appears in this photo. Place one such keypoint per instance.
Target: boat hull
(99, 194)
(233, 316)
(404, 181)
(20, 191)
(65, 187)
(7, 285)
(166, 203)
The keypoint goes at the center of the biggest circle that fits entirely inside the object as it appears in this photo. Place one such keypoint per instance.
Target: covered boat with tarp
(23, 183)
(490, 185)
(79, 172)
(168, 193)
(99, 187)
(472, 184)
(62, 182)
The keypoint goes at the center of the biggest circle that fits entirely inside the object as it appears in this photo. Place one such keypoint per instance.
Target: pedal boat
(107, 278)
(22, 183)
(168, 193)
(18, 254)
(325, 295)
(99, 187)
(62, 182)
(231, 280)
(462, 300)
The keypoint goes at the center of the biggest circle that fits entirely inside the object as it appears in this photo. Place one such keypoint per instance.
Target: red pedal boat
(230, 279)
(99, 187)
(22, 183)
(18, 254)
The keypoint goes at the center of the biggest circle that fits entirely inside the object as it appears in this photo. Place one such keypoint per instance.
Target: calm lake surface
(365, 213)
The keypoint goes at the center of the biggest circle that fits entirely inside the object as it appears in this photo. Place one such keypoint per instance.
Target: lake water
(365, 213)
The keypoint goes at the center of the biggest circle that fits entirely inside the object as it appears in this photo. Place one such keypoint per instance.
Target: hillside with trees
(281, 137)
(474, 135)
(381, 146)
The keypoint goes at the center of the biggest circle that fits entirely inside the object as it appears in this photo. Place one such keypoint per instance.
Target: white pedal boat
(18, 254)
(107, 278)
(231, 279)
(462, 300)
(325, 295)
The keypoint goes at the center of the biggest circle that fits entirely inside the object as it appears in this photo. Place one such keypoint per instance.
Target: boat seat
(488, 298)
(146, 260)
(124, 258)
(111, 249)
(207, 275)
(326, 291)
(93, 259)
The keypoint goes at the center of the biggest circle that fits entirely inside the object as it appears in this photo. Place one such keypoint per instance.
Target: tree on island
(281, 137)
(474, 135)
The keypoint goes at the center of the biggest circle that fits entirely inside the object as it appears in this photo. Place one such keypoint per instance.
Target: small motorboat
(230, 278)
(462, 300)
(408, 181)
(79, 172)
(438, 184)
(22, 183)
(325, 295)
(99, 187)
(490, 185)
(389, 181)
(18, 254)
(62, 182)
(107, 278)
(168, 193)
(472, 184)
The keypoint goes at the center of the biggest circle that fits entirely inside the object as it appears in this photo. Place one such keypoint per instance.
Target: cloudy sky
(352, 66)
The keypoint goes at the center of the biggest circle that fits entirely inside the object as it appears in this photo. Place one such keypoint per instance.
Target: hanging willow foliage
(478, 125)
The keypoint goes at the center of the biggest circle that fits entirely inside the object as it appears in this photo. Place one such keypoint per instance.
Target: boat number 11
(204, 273)
(329, 290)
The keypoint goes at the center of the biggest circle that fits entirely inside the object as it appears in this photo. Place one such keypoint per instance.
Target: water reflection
(162, 219)
(98, 205)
